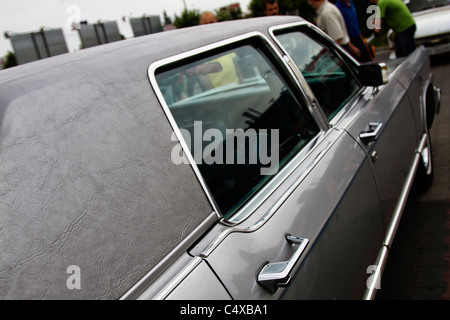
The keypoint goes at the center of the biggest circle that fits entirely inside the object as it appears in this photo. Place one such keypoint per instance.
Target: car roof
(143, 49)
(85, 177)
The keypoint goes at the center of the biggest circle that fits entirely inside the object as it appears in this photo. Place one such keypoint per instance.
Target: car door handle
(372, 133)
(277, 274)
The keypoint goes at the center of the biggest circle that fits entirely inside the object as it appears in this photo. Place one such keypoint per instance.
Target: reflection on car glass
(326, 74)
(247, 119)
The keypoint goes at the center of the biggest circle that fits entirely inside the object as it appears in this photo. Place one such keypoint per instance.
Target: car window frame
(279, 62)
(323, 39)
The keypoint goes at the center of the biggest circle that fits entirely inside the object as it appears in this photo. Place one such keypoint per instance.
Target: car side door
(382, 121)
(298, 199)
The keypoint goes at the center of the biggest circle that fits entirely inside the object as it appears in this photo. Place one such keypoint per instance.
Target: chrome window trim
(296, 70)
(275, 183)
(248, 209)
(352, 103)
(148, 279)
(275, 206)
(175, 282)
(319, 31)
(300, 76)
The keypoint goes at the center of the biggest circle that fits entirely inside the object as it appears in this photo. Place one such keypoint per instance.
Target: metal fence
(42, 44)
(38, 45)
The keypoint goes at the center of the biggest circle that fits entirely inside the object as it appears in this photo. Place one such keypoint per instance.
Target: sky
(21, 16)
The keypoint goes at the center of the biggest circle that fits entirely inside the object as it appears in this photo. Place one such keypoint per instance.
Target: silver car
(259, 162)
(433, 24)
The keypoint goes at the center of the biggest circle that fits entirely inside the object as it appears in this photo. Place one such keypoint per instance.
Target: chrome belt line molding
(392, 229)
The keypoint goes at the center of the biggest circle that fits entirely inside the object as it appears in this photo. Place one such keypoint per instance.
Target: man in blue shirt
(348, 11)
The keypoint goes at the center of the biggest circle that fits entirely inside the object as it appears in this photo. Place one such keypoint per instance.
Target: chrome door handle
(372, 133)
(276, 274)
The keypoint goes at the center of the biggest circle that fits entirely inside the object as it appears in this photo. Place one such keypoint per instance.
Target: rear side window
(239, 117)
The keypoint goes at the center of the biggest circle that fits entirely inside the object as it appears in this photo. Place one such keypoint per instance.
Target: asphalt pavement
(418, 267)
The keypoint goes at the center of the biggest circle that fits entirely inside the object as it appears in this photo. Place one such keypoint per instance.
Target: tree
(167, 19)
(227, 13)
(292, 7)
(10, 60)
(304, 10)
(188, 18)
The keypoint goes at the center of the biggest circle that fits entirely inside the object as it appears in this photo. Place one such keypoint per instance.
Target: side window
(327, 75)
(239, 117)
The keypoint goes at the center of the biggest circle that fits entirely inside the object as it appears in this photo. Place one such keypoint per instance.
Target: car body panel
(311, 220)
(88, 184)
(195, 276)
(396, 117)
(415, 76)
(390, 166)
(87, 180)
(202, 283)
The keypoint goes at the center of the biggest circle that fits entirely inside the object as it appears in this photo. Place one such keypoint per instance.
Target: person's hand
(354, 50)
(376, 25)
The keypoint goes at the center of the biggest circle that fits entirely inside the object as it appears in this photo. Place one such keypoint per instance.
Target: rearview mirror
(373, 74)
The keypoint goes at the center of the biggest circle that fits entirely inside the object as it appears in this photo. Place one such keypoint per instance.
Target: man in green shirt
(396, 15)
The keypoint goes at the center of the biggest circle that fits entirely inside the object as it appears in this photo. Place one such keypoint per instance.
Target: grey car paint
(86, 179)
(364, 205)
(84, 176)
(314, 220)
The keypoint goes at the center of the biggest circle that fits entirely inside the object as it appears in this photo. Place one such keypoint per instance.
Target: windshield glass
(418, 5)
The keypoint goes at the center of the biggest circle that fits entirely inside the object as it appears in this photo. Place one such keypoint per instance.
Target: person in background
(208, 17)
(271, 7)
(395, 15)
(348, 11)
(330, 20)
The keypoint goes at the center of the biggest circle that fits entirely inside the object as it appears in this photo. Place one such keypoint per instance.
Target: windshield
(419, 5)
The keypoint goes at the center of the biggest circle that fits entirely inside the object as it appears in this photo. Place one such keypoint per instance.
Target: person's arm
(354, 50)
(379, 21)
(334, 29)
(379, 24)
